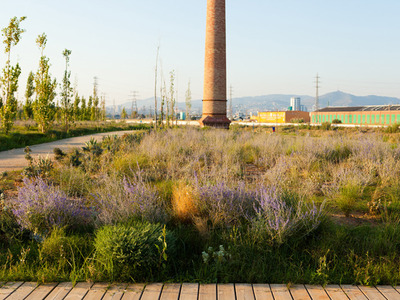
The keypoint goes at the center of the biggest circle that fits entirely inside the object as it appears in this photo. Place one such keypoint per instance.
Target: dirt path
(14, 159)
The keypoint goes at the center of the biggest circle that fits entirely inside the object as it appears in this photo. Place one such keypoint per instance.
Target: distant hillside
(274, 102)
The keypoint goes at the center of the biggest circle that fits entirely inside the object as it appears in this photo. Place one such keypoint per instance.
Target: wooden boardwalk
(191, 291)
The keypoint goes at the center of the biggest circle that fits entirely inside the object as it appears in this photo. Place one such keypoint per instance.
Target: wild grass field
(200, 205)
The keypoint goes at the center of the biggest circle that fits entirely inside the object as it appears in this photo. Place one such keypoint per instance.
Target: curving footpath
(14, 159)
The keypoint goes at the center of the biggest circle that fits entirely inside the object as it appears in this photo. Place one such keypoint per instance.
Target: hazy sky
(273, 46)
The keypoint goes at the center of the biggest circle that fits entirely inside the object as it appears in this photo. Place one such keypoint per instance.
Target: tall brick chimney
(214, 96)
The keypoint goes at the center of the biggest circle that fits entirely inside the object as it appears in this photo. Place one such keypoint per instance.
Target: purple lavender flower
(41, 206)
(120, 201)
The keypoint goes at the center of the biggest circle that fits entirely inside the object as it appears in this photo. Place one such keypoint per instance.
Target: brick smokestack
(214, 97)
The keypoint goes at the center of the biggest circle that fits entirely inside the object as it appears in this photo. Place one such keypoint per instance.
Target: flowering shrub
(224, 205)
(277, 219)
(123, 200)
(218, 256)
(41, 206)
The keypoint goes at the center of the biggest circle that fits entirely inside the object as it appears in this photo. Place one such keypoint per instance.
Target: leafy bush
(393, 128)
(298, 120)
(326, 126)
(41, 206)
(132, 252)
(336, 121)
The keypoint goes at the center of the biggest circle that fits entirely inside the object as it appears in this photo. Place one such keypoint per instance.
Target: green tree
(76, 109)
(66, 93)
(95, 115)
(124, 114)
(103, 109)
(45, 87)
(89, 108)
(30, 90)
(83, 109)
(9, 80)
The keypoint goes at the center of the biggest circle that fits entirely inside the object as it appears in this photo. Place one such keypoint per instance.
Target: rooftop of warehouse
(359, 108)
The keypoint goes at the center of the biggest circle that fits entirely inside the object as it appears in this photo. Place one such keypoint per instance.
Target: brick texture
(214, 97)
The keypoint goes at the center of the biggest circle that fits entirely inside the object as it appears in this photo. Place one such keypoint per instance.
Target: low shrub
(394, 128)
(9, 228)
(133, 252)
(222, 205)
(120, 201)
(40, 207)
(326, 126)
(280, 216)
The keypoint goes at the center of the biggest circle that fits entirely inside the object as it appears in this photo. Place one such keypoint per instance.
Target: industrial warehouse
(378, 115)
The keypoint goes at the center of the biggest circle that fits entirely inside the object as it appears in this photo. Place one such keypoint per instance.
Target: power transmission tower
(134, 110)
(317, 86)
(230, 114)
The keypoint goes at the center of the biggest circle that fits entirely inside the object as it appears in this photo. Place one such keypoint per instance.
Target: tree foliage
(29, 91)
(66, 93)
(9, 79)
(45, 88)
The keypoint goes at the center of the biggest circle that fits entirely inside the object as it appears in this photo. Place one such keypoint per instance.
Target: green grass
(347, 170)
(22, 136)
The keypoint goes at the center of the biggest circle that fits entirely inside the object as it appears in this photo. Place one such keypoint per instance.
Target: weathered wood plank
(23, 291)
(371, 292)
(170, 291)
(353, 292)
(262, 291)
(79, 291)
(152, 291)
(244, 292)
(335, 292)
(42, 291)
(317, 292)
(189, 291)
(208, 292)
(115, 292)
(389, 292)
(226, 291)
(280, 292)
(60, 291)
(97, 291)
(9, 288)
(299, 292)
(134, 291)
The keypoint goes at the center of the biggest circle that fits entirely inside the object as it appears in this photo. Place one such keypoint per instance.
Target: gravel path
(15, 159)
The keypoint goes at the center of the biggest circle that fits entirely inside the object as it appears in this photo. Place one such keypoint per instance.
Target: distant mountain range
(272, 102)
